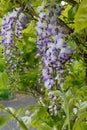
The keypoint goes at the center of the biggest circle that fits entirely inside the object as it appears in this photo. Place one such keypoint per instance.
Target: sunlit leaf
(81, 16)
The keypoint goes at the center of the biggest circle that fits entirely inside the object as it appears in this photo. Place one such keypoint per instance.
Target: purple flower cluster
(12, 25)
(51, 46)
(20, 24)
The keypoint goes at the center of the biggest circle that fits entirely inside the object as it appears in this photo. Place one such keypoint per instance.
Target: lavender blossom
(53, 50)
(12, 25)
(7, 37)
(11, 30)
(20, 24)
(51, 45)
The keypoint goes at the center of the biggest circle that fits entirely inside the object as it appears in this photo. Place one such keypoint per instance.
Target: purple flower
(12, 25)
(51, 45)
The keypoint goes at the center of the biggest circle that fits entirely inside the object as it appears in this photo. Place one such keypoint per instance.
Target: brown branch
(69, 30)
(71, 2)
(63, 24)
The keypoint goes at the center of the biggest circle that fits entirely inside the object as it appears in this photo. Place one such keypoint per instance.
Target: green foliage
(81, 124)
(2, 66)
(72, 95)
(5, 6)
(72, 12)
(81, 16)
(29, 78)
(5, 94)
(76, 76)
(13, 113)
(40, 118)
(3, 121)
(3, 80)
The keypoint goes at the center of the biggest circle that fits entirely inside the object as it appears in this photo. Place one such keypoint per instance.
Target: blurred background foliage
(27, 78)
(74, 20)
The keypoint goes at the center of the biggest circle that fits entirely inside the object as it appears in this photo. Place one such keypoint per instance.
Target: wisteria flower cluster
(12, 25)
(51, 46)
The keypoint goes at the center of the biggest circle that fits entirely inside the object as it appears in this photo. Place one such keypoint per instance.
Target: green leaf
(83, 107)
(65, 124)
(44, 126)
(81, 16)
(55, 128)
(56, 93)
(30, 30)
(78, 125)
(83, 126)
(72, 12)
(3, 80)
(22, 124)
(68, 95)
(13, 115)
(3, 121)
(25, 121)
(41, 119)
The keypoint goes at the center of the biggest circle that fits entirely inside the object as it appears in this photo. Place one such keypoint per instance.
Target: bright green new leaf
(81, 16)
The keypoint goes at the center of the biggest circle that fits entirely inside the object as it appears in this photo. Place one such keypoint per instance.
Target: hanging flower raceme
(12, 25)
(20, 24)
(51, 45)
(53, 50)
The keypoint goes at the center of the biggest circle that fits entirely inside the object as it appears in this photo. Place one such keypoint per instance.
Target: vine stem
(66, 107)
(85, 59)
